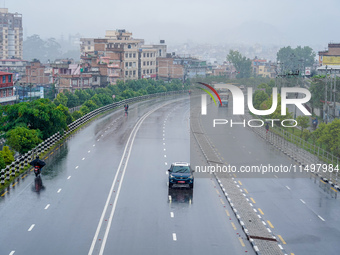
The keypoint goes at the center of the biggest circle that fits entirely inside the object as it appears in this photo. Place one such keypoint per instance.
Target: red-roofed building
(6, 88)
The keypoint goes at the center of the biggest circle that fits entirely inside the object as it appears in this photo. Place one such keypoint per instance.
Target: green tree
(2, 161)
(22, 139)
(267, 88)
(303, 122)
(277, 113)
(151, 89)
(72, 99)
(76, 115)
(292, 60)
(330, 136)
(60, 99)
(66, 112)
(90, 105)
(7, 155)
(84, 110)
(241, 64)
(259, 97)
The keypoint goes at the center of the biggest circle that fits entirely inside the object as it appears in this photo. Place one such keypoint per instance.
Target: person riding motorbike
(38, 163)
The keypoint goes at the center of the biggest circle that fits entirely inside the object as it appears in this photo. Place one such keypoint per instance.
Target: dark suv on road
(181, 175)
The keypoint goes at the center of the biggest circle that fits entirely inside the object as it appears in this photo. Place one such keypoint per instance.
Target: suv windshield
(180, 169)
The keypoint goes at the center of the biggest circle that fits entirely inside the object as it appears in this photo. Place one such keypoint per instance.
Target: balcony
(6, 85)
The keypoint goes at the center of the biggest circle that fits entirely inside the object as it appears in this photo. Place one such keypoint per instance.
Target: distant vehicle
(242, 87)
(181, 175)
(224, 99)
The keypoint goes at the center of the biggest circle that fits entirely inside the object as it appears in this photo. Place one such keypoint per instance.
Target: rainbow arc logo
(209, 93)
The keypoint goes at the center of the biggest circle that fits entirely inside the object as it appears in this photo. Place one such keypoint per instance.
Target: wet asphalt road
(303, 216)
(61, 214)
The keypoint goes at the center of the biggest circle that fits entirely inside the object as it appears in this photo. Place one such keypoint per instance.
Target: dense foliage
(26, 124)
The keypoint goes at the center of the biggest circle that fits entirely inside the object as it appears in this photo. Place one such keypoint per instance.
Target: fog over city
(289, 22)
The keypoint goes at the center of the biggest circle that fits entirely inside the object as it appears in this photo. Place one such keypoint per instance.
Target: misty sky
(287, 22)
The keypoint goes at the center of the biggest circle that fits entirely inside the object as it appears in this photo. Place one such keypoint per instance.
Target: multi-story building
(168, 69)
(16, 66)
(261, 67)
(11, 35)
(7, 95)
(86, 46)
(121, 57)
(35, 74)
(147, 56)
(331, 56)
(227, 70)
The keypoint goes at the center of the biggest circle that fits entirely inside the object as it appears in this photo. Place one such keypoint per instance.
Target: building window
(130, 63)
(130, 72)
(147, 71)
(4, 79)
(89, 47)
(134, 55)
(9, 78)
(150, 70)
(10, 93)
(134, 72)
(160, 53)
(129, 46)
(126, 64)
(126, 55)
(144, 71)
(144, 63)
(130, 55)
(143, 55)
(147, 63)
(126, 73)
(147, 55)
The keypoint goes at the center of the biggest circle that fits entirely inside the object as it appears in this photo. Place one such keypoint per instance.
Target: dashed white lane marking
(31, 227)
(12, 252)
(174, 237)
(172, 214)
(94, 145)
(58, 190)
(88, 151)
(163, 143)
(163, 139)
(69, 177)
(164, 149)
(98, 140)
(47, 206)
(77, 167)
(83, 159)
(287, 187)
(166, 172)
(302, 201)
(164, 156)
(321, 218)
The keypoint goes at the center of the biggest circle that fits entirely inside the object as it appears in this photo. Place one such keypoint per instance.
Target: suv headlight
(171, 176)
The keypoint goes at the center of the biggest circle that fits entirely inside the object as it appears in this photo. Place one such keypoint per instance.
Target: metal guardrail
(306, 154)
(21, 162)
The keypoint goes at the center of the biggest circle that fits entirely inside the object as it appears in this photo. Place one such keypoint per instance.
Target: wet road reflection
(180, 196)
(38, 185)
